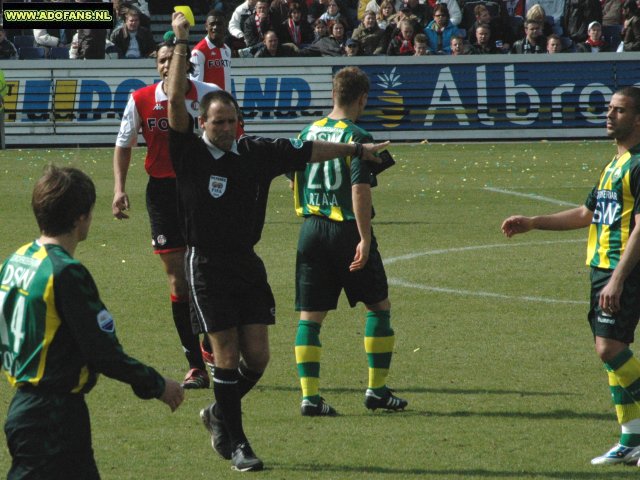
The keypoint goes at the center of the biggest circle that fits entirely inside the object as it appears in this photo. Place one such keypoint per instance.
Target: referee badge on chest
(217, 186)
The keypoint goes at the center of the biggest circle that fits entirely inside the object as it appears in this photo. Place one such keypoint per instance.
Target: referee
(222, 193)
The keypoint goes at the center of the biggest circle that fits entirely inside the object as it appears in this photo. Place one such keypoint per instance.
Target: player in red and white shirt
(211, 57)
(146, 111)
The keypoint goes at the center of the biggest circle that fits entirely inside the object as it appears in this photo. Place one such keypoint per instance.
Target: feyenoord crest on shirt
(217, 186)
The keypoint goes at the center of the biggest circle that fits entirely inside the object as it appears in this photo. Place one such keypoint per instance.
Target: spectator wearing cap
(595, 42)
(370, 35)
(352, 48)
(631, 28)
(578, 14)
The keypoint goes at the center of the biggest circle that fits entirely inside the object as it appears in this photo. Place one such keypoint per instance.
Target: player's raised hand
(180, 25)
(173, 394)
(516, 224)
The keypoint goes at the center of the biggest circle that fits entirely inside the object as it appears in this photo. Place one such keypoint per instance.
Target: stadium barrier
(495, 97)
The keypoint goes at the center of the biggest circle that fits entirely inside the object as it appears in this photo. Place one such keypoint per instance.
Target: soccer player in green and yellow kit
(337, 250)
(612, 213)
(56, 336)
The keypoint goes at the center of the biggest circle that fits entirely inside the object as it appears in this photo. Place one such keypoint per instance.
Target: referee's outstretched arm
(177, 80)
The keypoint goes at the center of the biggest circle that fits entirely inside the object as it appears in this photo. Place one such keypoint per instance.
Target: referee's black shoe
(219, 436)
(388, 401)
(244, 460)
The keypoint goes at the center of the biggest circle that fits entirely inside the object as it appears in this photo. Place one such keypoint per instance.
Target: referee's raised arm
(177, 81)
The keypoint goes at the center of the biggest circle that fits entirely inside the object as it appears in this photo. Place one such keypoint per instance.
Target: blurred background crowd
(287, 28)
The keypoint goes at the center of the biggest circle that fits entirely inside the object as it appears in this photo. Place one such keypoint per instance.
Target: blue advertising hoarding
(475, 97)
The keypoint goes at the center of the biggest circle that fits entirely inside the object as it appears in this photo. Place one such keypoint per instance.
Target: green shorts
(325, 251)
(49, 436)
(622, 325)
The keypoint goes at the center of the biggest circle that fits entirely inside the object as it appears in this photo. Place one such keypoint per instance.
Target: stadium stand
(23, 41)
(59, 53)
(161, 23)
(31, 53)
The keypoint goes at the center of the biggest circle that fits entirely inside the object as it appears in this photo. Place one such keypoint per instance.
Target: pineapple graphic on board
(392, 109)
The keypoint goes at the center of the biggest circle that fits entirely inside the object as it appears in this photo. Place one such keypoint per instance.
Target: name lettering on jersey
(160, 123)
(218, 62)
(322, 199)
(158, 106)
(17, 276)
(217, 186)
(608, 208)
(327, 134)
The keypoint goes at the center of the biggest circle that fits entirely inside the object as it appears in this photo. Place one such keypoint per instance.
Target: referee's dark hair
(631, 92)
(218, 96)
(60, 197)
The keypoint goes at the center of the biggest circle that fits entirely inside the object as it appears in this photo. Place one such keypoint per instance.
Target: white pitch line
(532, 196)
(402, 283)
(411, 256)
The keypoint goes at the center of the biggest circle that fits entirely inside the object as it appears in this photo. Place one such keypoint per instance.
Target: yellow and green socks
(308, 351)
(378, 343)
(624, 383)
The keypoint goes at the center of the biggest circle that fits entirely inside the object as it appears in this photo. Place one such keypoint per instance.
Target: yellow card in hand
(186, 11)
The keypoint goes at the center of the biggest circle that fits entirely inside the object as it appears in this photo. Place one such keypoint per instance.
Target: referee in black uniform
(222, 192)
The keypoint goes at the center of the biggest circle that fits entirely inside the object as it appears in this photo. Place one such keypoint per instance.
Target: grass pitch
(493, 349)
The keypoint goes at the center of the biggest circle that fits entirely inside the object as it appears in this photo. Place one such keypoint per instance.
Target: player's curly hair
(348, 84)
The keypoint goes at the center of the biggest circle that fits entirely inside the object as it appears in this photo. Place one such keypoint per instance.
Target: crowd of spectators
(288, 28)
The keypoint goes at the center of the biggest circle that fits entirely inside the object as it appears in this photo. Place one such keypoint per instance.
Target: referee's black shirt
(222, 201)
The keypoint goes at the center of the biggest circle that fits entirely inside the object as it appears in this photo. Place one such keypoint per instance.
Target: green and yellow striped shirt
(55, 332)
(614, 201)
(324, 189)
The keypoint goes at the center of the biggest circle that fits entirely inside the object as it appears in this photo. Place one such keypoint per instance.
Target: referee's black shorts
(228, 290)
(162, 206)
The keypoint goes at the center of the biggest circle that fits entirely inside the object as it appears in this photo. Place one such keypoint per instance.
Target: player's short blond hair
(349, 84)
